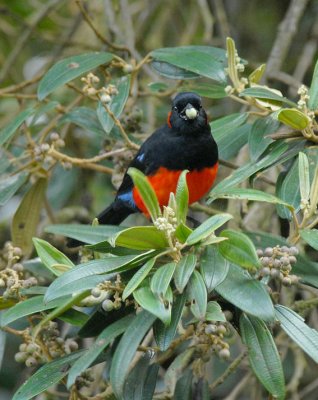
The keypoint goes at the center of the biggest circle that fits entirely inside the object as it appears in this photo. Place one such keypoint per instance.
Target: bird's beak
(190, 112)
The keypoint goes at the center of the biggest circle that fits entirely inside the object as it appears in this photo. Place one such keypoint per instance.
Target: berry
(221, 329)
(286, 281)
(211, 328)
(265, 271)
(224, 354)
(292, 259)
(265, 261)
(293, 251)
(259, 252)
(20, 357)
(268, 251)
(284, 260)
(275, 272)
(31, 362)
(96, 292)
(107, 305)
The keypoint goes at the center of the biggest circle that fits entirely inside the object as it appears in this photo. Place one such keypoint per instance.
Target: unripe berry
(275, 272)
(293, 251)
(284, 260)
(96, 292)
(221, 329)
(107, 305)
(268, 251)
(54, 136)
(127, 68)
(20, 357)
(265, 271)
(211, 328)
(286, 281)
(259, 252)
(224, 354)
(292, 259)
(31, 362)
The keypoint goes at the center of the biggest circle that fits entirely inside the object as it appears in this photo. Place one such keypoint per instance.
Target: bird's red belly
(165, 181)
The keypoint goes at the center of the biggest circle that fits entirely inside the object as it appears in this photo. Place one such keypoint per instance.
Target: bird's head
(187, 114)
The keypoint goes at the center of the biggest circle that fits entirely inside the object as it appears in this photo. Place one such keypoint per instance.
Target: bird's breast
(164, 181)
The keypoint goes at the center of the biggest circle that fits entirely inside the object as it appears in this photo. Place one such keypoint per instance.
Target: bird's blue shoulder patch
(140, 157)
(128, 199)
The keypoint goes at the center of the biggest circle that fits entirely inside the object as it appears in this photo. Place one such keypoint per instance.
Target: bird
(184, 142)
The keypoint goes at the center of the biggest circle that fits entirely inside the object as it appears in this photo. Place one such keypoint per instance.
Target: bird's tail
(112, 215)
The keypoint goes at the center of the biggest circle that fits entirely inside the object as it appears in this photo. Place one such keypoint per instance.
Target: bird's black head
(187, 114)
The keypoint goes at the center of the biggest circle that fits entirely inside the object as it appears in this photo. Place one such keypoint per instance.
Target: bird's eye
(175, 108)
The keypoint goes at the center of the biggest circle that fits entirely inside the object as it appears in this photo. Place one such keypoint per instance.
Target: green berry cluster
(277, 263)
(212, 334)
(13, 277)
(84, 380)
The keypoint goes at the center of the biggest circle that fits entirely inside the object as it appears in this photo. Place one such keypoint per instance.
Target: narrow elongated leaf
(141, 238)
(152, 303)
(102, 341)
(294, 118)
(306, 269)
(3, 339)
(8, 131)
(137, 279)
(273, 153)
(141, 381)
(74, 317)
(52, 258)
(182, 198)
(240, 289)
(146, 191)
(84, 233)
(126, 350)
(208, 227)
(83, 272)
(265, 93)
(184, 270)
(47, 376)
(295, 327)
(211, 91)
(10, 185)
(116, 104)
(84, 117)
(250, 194)
(310, 236)
(257, 141)
(28, 307)
(287, 189)
(26, 218)
(183, 389)
(70, 68)
(197, 294)
(213, 267)
(161, 279)
(304, 178)
(201, 60)
(176, 368)
(263, 355)
(313, 91)
(164, 335)
(239, 249)
(171, 71)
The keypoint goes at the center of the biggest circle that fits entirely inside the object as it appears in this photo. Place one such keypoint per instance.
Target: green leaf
(306, 269)
(239, 249)
(171, 71)
(213, 267)
(70, 68)
(257, 74)
(249, 194)
(182, 232)
(9, 130)
(273, 153)
(295, 327)
(137, 279)
(265, 93)
(84, 117)
(10, 185)
(102, 341)
(126, 350)
(152, 303)
(201, 60)
(287, 189)
(258, 140)
(313, 91)
(176, 368)
(230, 133)
(197, 294)
(141, 382)
(52, 258)
(183, 389)
(184, 270)
(26, 218)
(205, 89)
(263, 355)
(164, 335)
(208, 227)
(146, 191)
(310, 236)
(74, 317)
(140, 238)
(3, 339)
(214, 312)
(116, 104)
(30, 306)
(240, 289)
(48, 375)
(85, 233)
(182, 198)
(70, 280)
(161, 279)
(294, 118)
(304, 178)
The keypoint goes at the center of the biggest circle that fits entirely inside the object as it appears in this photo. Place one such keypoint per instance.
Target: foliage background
(36, 34)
